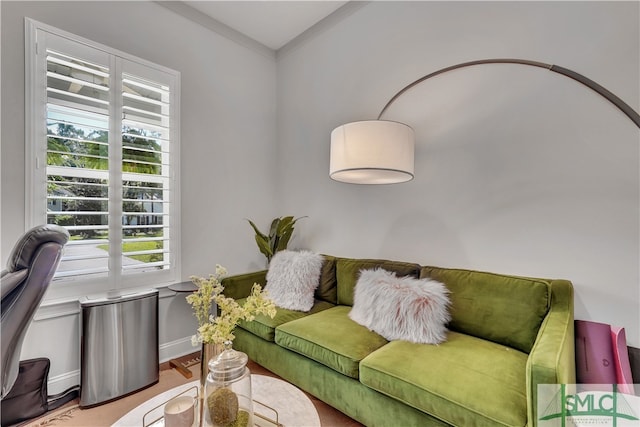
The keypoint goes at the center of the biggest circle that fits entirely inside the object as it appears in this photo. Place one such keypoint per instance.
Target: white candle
(179, 412)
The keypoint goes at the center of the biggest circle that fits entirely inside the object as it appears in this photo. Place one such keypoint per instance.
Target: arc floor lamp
(381, 152)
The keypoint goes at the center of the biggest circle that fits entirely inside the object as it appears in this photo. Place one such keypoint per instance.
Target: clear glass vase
(209, 351)
(227, 395)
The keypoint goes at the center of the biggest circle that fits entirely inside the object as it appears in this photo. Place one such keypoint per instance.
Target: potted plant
(278, 238)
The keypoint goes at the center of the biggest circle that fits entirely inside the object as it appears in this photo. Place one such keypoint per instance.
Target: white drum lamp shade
(372, 152)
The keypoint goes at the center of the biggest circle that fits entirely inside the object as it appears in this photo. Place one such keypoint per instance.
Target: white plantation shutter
(77, 122)
(103, 159)
(146, 173)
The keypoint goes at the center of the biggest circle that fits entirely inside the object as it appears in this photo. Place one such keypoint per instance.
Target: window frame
(36, 34)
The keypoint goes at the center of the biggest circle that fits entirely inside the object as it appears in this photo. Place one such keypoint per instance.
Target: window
(103, 160)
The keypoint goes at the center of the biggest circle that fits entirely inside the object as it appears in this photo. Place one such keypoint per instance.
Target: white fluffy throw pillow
(401, 308)
(293, 278)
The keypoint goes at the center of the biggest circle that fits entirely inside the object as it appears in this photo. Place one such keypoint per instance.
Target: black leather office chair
(30, 268)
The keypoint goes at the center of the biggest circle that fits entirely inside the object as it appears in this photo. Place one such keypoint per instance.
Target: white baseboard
(177, 348)
(60, 383)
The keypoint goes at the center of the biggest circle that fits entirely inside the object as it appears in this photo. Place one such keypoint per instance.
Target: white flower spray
(219, 329)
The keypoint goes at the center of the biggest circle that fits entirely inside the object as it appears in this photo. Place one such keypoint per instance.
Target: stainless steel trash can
(119, 346)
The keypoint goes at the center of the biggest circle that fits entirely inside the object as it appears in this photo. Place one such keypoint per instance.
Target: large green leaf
(262, 240)
(284, 239)
(285, 223)
(275, 224)
(274, 236)
(257, 231)
(264, 247)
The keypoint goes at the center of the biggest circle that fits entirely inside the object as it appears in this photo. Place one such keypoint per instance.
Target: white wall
(518, 170)
(228, 130)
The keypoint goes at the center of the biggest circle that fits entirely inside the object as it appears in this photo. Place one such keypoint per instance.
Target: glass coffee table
(292, 406)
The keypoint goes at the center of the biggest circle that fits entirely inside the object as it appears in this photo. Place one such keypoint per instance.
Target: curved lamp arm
(382, 152)
(624, 107)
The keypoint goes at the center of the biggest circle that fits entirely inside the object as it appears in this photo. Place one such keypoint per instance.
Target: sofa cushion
(327, 288)
(465, 381)
(331, 338)
(293, 278)
(401, 308)
(504, 309)
(348, 271)
(265, 327)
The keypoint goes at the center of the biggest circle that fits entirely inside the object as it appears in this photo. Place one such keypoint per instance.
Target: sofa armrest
(552, 358)
(239, 286)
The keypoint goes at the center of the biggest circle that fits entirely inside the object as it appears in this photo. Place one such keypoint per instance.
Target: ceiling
(271, 23)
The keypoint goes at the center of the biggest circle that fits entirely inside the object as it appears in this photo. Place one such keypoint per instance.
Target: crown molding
(321, 26)
(216, 26)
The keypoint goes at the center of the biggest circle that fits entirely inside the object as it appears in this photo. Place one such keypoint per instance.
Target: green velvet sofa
(507, 335)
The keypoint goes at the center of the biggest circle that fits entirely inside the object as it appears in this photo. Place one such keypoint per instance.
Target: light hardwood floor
(105, 415)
